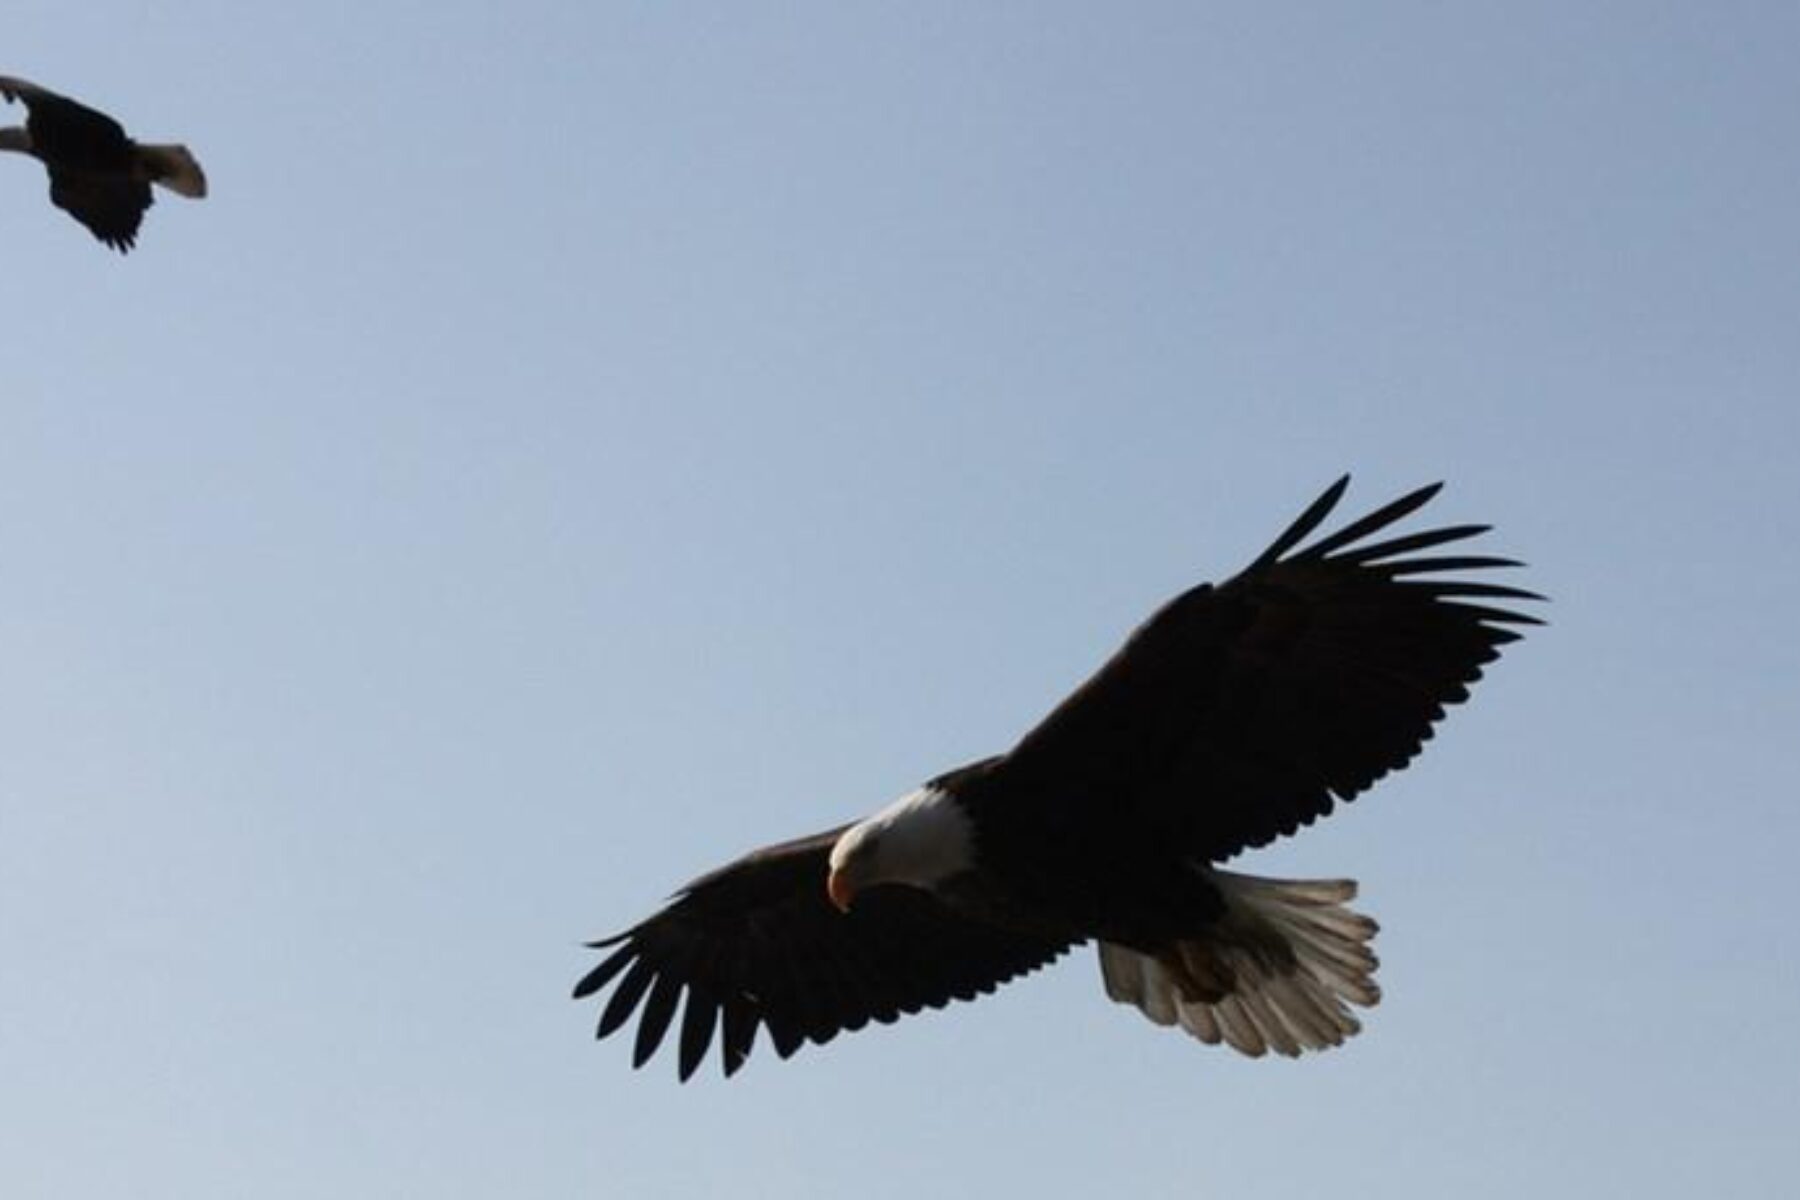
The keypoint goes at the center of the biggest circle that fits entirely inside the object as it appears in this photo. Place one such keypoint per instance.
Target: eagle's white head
(921, 839)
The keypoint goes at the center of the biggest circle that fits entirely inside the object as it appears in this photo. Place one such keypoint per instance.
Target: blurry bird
(98, 175)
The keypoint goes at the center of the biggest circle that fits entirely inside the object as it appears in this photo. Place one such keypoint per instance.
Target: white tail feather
(1297, 958)
(175, 168)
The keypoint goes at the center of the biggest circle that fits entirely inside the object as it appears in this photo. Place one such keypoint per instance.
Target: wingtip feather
(1302, 525)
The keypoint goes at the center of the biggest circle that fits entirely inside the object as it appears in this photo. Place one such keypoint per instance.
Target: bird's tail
(175, 168)
(1278, 971)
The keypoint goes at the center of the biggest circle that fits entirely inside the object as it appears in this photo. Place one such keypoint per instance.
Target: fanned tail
(175, 168)
(1278, 972)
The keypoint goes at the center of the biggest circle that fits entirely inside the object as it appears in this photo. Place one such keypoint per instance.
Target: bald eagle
(1235, 715)
(98, 175)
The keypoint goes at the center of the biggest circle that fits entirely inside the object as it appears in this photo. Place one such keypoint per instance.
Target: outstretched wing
(1238, 713)
(757, 943)
(112, 208)
(65, 130)
(15, 89)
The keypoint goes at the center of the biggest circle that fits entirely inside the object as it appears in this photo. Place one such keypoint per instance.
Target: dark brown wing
(69, 134)
(112, 209)
(24, 91)
(758, 943)
(65, 132)
(1237, 713)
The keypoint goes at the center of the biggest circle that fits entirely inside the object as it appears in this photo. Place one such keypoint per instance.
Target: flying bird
(98, 175)
(1234, 715)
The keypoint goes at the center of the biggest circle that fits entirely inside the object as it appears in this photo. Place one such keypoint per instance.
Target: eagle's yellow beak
(840, 890)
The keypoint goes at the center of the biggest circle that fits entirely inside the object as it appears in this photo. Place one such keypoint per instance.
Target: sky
(574, 444)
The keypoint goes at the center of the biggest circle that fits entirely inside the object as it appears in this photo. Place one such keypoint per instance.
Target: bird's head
(920, 840)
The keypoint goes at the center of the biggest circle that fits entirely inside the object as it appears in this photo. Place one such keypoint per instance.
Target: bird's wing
(1237, 713)
(758, 943)
(111, 209)
(68, 132)
(15, 89)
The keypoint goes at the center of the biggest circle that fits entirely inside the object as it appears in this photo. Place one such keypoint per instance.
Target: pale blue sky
(576, 444)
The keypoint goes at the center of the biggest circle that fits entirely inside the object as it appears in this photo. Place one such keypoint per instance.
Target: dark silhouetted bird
(98, 175)
(1235, 715)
